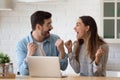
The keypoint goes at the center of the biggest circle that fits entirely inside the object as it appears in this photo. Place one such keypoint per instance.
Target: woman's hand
(68, 45)
(100, 52)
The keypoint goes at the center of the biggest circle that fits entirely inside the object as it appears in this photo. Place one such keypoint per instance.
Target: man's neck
(37, 37)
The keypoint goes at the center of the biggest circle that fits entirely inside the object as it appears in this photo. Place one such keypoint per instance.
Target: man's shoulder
(54, 36)
(24, 40)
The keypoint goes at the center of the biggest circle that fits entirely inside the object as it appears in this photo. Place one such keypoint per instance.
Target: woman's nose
(74, 28)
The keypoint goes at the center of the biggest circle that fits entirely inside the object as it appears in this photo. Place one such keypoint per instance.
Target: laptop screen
(44, 66)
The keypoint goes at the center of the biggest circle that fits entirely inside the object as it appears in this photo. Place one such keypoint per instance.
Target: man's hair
(38, 18)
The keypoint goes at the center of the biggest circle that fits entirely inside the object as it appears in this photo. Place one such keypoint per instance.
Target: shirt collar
(31, 38)
(46, 40)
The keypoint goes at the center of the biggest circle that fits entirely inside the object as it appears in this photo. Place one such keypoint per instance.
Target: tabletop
(70, 77)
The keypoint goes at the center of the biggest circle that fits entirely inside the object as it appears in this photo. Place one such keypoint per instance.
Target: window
(110, 11)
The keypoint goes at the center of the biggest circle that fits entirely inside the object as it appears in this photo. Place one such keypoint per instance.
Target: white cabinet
(110, 20)
(6, 4)
(35, 0)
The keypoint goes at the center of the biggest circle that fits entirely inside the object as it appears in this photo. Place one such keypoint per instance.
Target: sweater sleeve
(73, 62)
(100, 69)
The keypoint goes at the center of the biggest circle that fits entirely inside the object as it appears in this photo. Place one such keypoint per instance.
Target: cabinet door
(109, 9)
(111, 20)
(118, 9)
(109, 28)
(108, 22)
(118, 20)
(118, 29)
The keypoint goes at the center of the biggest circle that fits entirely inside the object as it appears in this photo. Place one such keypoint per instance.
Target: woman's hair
(93, 39)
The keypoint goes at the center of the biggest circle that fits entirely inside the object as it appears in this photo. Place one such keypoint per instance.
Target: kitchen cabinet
(6, 4)
(110, 20)
(35, 0)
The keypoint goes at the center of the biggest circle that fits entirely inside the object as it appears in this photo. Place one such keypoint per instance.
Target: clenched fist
(68, 45)
(31, 49)
(60, 46)
(100, 52)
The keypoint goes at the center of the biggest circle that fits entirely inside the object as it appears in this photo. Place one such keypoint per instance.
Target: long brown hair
(93, 40)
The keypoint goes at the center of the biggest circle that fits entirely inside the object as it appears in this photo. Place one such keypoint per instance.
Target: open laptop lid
(44, 66)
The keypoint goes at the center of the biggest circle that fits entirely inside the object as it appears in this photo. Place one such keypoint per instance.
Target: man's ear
(38, 26)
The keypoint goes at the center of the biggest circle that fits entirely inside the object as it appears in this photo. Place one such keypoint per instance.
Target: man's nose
(51, 27)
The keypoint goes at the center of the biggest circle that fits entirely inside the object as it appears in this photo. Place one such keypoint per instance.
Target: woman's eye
(77, 25)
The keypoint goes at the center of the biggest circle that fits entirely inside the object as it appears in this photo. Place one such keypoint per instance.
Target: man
(40, 42)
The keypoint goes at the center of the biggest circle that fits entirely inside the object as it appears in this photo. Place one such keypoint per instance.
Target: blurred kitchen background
(15, 24)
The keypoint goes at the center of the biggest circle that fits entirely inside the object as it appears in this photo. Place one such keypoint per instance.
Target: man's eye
(49, 25)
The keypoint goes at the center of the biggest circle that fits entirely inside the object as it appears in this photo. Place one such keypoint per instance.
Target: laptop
(44, 66)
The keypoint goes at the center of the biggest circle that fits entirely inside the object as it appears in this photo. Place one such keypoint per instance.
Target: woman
(90, 53)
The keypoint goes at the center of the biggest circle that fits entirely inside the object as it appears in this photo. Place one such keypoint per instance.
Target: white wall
(14, 25)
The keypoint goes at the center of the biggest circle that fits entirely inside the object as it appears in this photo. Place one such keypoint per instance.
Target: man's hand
(31, 49)
(60, 46)
(68, 45)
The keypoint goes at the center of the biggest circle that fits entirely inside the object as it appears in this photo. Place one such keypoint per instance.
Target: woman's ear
(87, 28)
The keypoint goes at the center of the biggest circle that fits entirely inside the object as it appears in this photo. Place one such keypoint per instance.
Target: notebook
(44, 66)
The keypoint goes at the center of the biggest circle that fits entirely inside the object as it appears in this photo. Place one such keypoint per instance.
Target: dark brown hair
(93, 40)
(38, 18)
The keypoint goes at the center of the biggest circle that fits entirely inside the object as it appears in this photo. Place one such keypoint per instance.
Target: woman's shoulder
(102, 43)
(78, 43)
(75, 42)
(105, 47)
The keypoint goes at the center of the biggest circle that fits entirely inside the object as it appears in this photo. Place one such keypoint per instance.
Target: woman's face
(81, 29)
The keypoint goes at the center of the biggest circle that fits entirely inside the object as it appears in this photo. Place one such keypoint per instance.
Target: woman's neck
(85, 40)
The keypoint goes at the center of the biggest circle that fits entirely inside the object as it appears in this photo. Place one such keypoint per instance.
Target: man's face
(46, 28)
